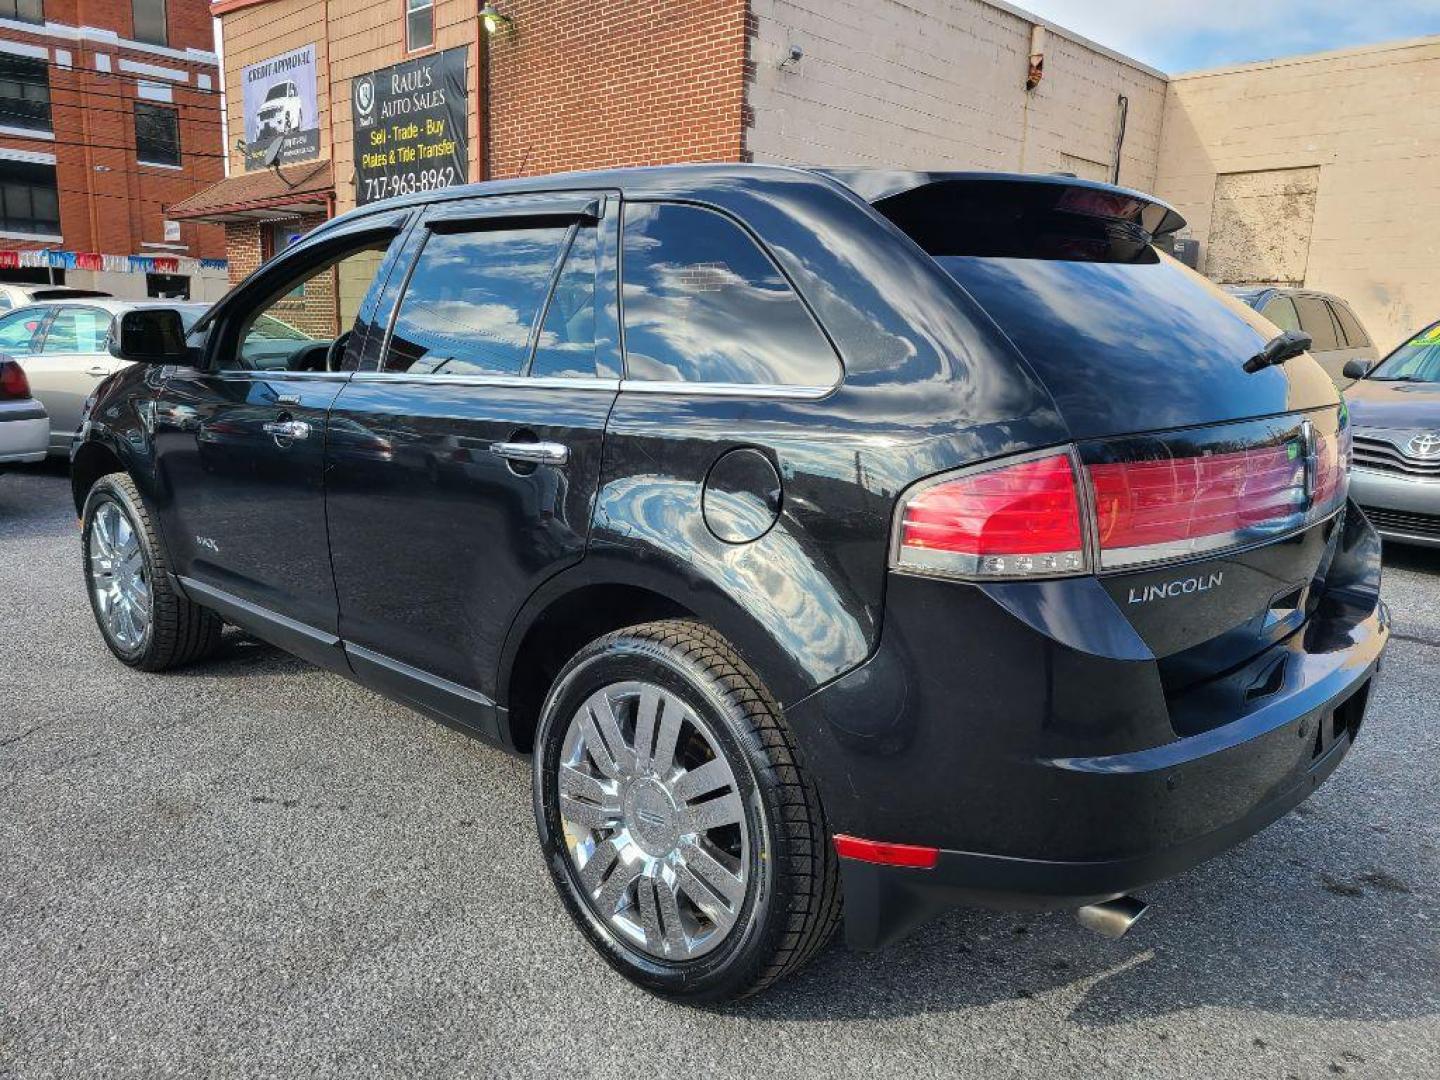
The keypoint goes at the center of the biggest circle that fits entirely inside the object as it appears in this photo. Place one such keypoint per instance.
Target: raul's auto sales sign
(410, 126)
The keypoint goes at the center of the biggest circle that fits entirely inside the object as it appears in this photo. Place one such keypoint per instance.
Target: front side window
(1315, 320)
(29, 200)
(419, 24)
(157, 134)
(24, 92)
(308, 312)
(31, 11)
(472, 301)
(77, 330)
(150, 21)
(703, 304)
(18, 330)
(1281, 312)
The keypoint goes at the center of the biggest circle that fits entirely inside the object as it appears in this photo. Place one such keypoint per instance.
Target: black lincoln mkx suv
(839, 544)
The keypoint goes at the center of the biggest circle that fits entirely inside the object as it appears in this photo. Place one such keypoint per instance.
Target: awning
(263, 195)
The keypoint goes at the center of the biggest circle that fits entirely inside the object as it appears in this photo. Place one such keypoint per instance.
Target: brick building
(109, 112)
(550, 85)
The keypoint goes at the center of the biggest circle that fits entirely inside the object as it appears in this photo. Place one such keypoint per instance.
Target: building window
(31, 11)
(29, 202)
(24, 92)
(150, 21)
(157, 134)
(419, 24)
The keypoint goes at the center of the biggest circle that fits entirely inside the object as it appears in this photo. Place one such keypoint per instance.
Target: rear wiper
(1279, 349)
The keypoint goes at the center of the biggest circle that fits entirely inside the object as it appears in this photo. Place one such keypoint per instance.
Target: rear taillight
(1148, 510)
(1143, 500)
(1019, 519)
(13, 383)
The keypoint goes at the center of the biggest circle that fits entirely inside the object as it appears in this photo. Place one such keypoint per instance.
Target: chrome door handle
(287, 429)
(540, 453)
(98, 370)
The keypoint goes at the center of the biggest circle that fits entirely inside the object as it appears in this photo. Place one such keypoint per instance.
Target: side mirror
(150, 336)
(1356, 369)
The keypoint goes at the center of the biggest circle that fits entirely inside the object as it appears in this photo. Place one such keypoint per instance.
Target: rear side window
(703, 304)
(566, 345)
(77, 330)
(1355, 336)
(472, 301)
(1315, 320)
(1281, 312)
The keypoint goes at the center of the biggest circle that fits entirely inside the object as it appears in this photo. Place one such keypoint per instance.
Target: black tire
(792, 901)
(179, 632)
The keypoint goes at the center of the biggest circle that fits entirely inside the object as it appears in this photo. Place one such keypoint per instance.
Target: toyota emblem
(1425, 445)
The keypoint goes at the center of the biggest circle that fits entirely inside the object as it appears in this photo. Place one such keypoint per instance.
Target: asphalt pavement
(250, 868)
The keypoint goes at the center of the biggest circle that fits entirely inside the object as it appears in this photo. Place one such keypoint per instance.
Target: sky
(1185, 35)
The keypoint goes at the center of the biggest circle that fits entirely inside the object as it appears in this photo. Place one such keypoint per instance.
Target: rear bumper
(1051, 775)
(883, 903)
(24, 432)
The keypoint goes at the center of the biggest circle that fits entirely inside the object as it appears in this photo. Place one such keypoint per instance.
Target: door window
(18, 330)
(703, 304)
(77, 330)
(566, 345)
(472, 301)
(310, 309)
(1315, 320)
(1281, 312)
(1355, 336)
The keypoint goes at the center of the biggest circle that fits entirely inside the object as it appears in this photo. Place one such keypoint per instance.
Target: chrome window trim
(771, 390)
(555, 382)
(585, 382)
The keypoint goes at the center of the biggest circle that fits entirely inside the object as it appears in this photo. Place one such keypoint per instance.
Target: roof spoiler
(885, 189)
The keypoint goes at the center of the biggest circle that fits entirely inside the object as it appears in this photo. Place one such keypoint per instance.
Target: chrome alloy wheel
(654, 821)
(118, 578)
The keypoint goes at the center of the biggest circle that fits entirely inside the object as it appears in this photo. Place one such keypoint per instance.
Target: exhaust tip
(1112, 918)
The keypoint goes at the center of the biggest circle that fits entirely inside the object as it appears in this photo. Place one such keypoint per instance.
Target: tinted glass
(312, 307)
(472, 301)
(17, 331)
(704, 304)
(29, 202)
(1355, 335)
(77, 330)
(1315, 321)
(157, 134)
(1281, 311)
(566, 346)
(150, 21)
(24, 92)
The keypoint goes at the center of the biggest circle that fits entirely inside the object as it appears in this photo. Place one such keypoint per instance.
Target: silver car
(24, 427)
(14, 295)
(1395, 407)
(1335, 333)
(63, 346)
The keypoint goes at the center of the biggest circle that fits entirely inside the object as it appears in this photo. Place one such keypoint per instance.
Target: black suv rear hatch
(1214, 491)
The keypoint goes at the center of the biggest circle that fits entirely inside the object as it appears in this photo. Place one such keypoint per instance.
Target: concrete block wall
(1365, 118)
(941, 83)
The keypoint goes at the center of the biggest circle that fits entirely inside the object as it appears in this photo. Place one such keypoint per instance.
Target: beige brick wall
(1366, 120)
(362, 36)
(941, 83)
